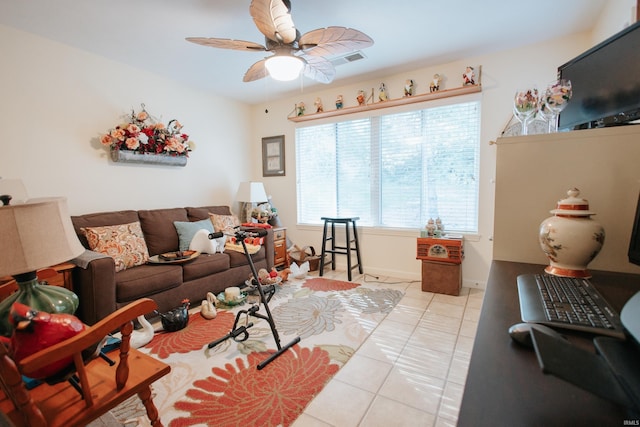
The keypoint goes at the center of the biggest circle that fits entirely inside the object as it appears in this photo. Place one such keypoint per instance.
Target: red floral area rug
(222, 386)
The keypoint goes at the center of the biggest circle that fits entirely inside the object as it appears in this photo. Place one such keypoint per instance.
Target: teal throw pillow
(186, 231)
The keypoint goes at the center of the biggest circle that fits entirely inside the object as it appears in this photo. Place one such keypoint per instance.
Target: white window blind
(393, 171)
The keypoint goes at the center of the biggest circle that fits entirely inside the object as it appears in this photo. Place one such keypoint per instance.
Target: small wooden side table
(64, 277)
(280, 247)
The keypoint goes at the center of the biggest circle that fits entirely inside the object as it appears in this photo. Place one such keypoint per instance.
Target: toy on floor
(142, 337)
(208, 307)
(284, 274)
(299, 271)
(268, 277)
(176, 319)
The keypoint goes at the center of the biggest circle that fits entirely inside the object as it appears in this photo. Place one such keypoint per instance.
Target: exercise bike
(266, 292)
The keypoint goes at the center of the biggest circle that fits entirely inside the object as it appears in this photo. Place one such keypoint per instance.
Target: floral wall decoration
(145, 139)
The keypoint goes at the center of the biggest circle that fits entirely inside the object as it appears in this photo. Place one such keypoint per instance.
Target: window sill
(395, 232)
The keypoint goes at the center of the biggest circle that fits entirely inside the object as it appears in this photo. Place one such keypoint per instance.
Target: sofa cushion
(225, 224)
(205, 265)
(159, 231)
(187, 229)
(100, 219)
(124, 243)
(238, 259)
(146, 280)
(197, 214)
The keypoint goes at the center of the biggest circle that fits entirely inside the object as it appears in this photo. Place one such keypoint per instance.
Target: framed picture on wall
(273, 156)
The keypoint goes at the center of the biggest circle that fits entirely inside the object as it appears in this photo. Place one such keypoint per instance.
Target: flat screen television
(605, 82)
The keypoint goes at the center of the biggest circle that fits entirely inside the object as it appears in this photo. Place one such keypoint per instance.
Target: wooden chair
(103, 387)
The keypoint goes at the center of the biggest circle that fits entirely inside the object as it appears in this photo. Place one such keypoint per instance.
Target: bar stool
(340, 250)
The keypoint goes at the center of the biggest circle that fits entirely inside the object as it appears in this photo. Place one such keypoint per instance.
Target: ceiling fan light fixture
(284, 67)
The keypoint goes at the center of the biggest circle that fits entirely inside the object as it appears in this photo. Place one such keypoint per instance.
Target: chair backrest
(98, 387)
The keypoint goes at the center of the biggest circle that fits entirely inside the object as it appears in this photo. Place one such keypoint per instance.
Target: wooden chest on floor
(441, 277)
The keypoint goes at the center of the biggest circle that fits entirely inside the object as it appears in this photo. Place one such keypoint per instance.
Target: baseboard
(412, 276)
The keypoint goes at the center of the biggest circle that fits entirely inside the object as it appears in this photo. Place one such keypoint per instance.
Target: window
(393, 171)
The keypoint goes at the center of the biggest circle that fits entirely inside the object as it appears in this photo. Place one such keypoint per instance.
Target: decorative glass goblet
(525, 106)
(556, 96)
(543, 114)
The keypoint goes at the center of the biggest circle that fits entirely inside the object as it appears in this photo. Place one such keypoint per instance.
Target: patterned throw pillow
(224, 223)
(124, 243)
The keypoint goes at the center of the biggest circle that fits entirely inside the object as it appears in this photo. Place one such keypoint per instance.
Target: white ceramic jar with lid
(570, 238)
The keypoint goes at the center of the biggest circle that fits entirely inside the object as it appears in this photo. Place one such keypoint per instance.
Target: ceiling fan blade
(273, 20)
(333, 41)
(227, 43)
(319, 69)
(256, 72)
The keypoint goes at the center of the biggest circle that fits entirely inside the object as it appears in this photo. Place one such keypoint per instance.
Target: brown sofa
(102, 290)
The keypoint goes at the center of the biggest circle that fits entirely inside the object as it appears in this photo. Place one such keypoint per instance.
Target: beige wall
(57, 100)
(534, 172)
(618, 14)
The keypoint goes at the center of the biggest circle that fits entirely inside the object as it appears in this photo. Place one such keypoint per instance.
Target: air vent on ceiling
(349, 57)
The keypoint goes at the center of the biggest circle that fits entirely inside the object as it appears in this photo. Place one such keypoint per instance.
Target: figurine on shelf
(439, 228)
(469, 76)
(435, 83)
(382, 92)
(408, 88)
(319, 106)
(300, 107)
(339, 102)
(360, 98)
(430, 227)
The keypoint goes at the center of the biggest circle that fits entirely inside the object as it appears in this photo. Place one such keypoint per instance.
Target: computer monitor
(634, 243)
(606, 88)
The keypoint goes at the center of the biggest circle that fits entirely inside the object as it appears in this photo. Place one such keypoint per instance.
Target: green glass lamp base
(41, 297)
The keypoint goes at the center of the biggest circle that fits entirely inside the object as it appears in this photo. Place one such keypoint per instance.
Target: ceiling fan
(292, 52)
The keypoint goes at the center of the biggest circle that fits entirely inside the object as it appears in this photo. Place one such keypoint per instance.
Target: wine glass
(543, 113)
(556, 96)
(525, 106)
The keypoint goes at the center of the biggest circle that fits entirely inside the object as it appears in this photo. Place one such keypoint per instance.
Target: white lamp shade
(36, 234)
(252, 192)
(284, 67)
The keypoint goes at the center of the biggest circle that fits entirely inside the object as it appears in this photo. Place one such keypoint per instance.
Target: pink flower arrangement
(142, 134)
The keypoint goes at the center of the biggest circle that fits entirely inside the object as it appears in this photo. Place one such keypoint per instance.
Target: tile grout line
(393, 365)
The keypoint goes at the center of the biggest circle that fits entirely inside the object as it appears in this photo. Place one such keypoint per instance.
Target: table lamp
(248, 194)
(36, 234)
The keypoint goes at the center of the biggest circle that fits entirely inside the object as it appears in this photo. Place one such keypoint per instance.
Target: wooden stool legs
(351, 244)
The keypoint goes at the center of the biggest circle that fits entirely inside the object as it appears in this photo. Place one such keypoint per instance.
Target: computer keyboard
(567, 302)
(575, 304)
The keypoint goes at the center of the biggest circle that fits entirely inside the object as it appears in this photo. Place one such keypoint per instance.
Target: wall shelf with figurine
(446, 93)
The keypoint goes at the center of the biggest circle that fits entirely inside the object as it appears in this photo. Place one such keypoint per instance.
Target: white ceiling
(150, 34)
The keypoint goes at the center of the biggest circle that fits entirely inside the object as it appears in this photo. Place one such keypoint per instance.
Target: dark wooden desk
(505, 385)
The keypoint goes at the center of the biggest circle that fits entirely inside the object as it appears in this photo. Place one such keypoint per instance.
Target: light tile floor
(411, 370)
